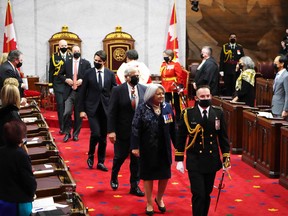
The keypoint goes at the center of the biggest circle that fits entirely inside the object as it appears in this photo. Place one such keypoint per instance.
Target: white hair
(151, 90)
(129, 70)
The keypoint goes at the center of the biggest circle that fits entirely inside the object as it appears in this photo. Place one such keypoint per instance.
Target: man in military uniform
(56, 62)
(230, 54)
(206, 128)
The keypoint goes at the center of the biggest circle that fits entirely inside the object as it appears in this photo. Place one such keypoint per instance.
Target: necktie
(75, 73)
(205, 116)
(100, 79)
(133, 98)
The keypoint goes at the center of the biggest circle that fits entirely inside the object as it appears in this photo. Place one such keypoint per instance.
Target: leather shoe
(61, 132)
(161, 209)
(75, 138)
(149, 212)
(90, 161)
(66, 137)
(114, 184)
(102, 167)
(136, 191)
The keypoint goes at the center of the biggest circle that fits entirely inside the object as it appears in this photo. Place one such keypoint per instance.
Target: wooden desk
(43, 151)
(249, 141)
(283, 180)
(42, 137)
(268, 146)
(76, 208)
(56, 163)
(56, 183)
(264, 91)
(233, 119)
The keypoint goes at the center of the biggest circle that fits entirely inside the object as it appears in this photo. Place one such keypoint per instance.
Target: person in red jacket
(171, 74)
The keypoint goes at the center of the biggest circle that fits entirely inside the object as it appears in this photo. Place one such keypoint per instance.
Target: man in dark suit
(9, 69)
(120, 116)
(94, 100)
(72, 74)
(229, 57)
(207, 72)
(206, 128)
(57, 61)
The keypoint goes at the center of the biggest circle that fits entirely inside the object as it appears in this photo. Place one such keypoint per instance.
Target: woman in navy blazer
(153, 129)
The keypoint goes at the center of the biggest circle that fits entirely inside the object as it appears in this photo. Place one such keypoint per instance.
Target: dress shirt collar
(201, 110)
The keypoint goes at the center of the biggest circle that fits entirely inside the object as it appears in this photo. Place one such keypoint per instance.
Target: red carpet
(248, 193)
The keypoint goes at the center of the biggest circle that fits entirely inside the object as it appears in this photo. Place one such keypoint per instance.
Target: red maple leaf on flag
(172, 39)
(9, 42)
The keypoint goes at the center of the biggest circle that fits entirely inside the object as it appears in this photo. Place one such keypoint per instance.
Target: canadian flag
(9, 42)
(172, 39)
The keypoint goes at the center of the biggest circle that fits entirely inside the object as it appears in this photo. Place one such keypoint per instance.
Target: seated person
(18, 187)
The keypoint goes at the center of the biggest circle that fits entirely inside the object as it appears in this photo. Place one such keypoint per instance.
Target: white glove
(180, 166)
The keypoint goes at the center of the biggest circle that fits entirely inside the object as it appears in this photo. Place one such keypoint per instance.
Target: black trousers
(70, 103)
(176, 102)
(60, 108)
(121, 152)
(201, 188)
(98, 133)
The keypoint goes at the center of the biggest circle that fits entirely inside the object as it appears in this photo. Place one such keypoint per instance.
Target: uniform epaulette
(217, 107)
(239, 44)
(184, 110)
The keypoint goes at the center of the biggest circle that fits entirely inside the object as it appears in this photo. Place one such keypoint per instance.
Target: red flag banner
(9, 42)
(172, 39)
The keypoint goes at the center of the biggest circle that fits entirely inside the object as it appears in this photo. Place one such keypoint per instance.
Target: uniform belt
(231, 62)
(169, 78)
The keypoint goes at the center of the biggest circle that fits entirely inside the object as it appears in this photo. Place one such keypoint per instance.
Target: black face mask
(63, 49)
(76, 55)
(205, 103)
(166, 59)
(275, 67)
(240, 67)
(232, 40)
(201, 56)
(134, 80)
(97, 65)
(19, 65)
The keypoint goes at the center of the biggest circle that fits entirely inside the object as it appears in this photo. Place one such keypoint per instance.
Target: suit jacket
(90, 93)
(203, 157)
(280, 95)
(7, 71)
(67, 72)
(229, 58)
(121, 113)
(19, 184)
(208, 75)
(54, 70)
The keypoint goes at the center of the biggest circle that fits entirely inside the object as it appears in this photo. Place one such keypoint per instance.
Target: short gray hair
(129, 70)
(151, 90)
(248, 62)
(13, 55)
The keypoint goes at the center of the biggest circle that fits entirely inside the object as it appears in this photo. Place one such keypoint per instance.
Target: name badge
(168, 118)
(217, 124)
